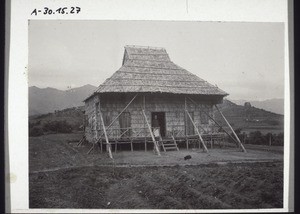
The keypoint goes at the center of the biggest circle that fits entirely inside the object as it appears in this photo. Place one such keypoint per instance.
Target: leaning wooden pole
(185, 118)
(240, 143)
(144, 107)
(114, 120)
(152, 135)
(105, 134)
(214, 121)
(198, 133)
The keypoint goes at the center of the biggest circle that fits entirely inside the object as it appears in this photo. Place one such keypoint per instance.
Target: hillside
(249, 118)
(273, 105)
(64, 121)
(45, 100)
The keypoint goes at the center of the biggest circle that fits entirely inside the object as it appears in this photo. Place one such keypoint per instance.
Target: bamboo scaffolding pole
(215, 122)
(240, 143)
(97, 108)
(185, 116)
(114, 120)
(105, 134)
(128, 129)
(93, 146)
(152, 135)
(144, 107)
(198, 133)
(185, 124)
(96, 105)
(81, 141)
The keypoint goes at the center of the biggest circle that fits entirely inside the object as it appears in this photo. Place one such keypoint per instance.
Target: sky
(244, 59)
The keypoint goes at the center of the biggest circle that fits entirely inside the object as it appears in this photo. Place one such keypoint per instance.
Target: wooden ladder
(169, 144)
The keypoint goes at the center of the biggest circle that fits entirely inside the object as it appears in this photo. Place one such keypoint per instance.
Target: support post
(215, 122)
(151, 133)
(187, 143)
(185, 116)
(93, 146)
(114, 120)
(185, 124)
(144, 107)
(240, 143)
(105, 134)
(97, 108)
(81, 141)
(121, 112)
(198, 133)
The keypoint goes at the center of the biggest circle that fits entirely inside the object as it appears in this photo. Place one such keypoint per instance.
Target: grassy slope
(73, 116)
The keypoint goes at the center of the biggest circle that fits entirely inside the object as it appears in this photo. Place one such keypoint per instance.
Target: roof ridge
(150, 60)
(144, 47)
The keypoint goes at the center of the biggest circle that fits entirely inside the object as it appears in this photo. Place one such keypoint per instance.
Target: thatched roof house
(148, 69)
(149, 89)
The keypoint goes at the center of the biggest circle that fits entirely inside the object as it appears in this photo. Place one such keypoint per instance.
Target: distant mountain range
(273, 105)
(46, 100)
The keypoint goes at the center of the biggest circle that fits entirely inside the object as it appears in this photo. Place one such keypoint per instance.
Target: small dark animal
(187, 157)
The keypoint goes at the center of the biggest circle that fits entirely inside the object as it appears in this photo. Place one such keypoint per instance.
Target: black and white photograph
(155, 115)
(177, 106)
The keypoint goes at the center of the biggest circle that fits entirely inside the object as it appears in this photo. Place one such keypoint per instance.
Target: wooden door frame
(164, 130)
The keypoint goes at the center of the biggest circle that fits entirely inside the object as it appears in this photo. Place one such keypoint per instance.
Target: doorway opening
(158, 119)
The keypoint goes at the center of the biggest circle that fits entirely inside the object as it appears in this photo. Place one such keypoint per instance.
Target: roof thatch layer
(149, 69)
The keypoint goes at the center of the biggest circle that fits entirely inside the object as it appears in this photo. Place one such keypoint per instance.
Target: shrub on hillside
(57, 127)
(77, 126)
(33, 124)
(278, 139)
(258, 138)
(35, 131)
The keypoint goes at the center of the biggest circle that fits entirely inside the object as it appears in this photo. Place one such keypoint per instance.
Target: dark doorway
(159, 119)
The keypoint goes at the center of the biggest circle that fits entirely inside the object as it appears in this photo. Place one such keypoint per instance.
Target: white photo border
(16, 108)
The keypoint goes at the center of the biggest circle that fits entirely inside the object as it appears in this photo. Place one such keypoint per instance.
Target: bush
(33, 124)
(239, 133)
(57, 127)
(35, 131)
(278, 139)
(77, 126)
(259, 139)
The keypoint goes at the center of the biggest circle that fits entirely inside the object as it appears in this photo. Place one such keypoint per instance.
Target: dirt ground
(51, 152)
(64, 176)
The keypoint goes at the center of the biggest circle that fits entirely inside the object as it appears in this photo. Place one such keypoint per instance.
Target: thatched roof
(149, 69)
